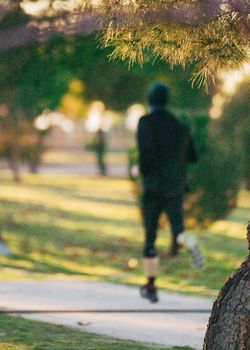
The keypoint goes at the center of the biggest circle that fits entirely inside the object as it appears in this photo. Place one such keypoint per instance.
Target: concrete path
(171, 329)
(114, 170)
(88, 169)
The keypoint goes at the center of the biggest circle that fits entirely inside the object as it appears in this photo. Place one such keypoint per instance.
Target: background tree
(32, 78)
(214, 182)
(235, 125)
(213, 35)
(128, 86)
(10, 72)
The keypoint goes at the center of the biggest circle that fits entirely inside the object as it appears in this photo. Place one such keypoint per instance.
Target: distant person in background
(100, 149)
(165, 148)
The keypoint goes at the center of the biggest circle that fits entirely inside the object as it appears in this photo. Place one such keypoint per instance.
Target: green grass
(72, 226)
(20, 334)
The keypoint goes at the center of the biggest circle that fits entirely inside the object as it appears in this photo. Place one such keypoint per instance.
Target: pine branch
(214, 35)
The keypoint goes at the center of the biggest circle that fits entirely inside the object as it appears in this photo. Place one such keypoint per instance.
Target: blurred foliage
(213, 182)
(234, 126)
(20, 141)
(119, 87)
(41, 76)
(212, 36)
(44, 79)
(31, 79)
(73, 103)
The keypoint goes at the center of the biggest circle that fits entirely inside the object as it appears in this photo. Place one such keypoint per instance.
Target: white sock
(180, 238)
(186, 240)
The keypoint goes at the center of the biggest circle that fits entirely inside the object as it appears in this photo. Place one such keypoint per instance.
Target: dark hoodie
(165, 147)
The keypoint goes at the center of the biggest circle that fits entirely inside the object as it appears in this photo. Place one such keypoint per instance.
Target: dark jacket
(165, 147)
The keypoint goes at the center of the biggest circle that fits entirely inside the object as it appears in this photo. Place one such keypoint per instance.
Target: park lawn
(73, 226)
(20, 334)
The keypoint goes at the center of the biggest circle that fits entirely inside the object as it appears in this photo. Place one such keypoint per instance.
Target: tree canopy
(127, 86)
(213, 35)
(32, 77)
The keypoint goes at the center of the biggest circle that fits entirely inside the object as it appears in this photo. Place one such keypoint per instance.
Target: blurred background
(69, 199)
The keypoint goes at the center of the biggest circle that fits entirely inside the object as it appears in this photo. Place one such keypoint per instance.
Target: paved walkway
(115, 170)
(170, 329)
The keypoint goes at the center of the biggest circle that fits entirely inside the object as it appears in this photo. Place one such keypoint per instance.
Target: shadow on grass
(14, 206)
(43, 267)
(76, 193)
(49, 248)
(239, 215)
(65, 192)
(48, 240)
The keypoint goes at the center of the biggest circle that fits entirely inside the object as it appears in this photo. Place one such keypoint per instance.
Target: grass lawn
(20, 334)
(72, 226)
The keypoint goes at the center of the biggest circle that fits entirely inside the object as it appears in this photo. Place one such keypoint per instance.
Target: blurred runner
(165, 148)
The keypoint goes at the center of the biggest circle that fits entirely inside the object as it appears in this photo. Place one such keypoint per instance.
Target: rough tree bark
(229, 323)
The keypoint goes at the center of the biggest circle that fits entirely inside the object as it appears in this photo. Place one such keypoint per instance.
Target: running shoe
(190, 243)
(196, 256)
(149, 292)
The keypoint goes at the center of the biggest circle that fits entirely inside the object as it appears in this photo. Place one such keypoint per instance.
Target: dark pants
(152, 206)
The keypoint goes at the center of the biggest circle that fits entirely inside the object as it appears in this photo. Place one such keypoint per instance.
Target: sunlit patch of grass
(91, 228)
(229, 228)
(243, 200)
(53, 157)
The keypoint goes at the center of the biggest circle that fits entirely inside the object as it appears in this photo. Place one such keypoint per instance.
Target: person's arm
(146, 147)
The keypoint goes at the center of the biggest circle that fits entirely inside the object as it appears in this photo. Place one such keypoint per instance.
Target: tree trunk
(229, 323)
